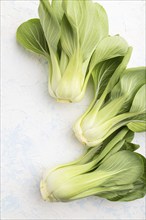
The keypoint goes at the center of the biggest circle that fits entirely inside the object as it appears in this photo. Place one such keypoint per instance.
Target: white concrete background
(36, 130)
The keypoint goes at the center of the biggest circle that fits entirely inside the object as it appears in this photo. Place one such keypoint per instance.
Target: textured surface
(36, 130)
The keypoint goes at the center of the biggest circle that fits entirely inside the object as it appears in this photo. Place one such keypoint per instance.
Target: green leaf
(144, 164)
(130, 82)
(124, 193)
(139, 191)
(119, 71)
(125, 167)
(117, 74)
(31, 36)
(137, 126)
(129, 136)
(93, 29)
(117, 142)
(74, 11)
(138, 105)
(114, 193)
(58, 10)
(88, 25)
(130, 146)
(108, 48)
(67, 39)
(49, 24)
(111, 145)
(103, 72)
(105, 192)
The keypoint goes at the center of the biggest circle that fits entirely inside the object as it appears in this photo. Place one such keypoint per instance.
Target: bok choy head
(114, 172)
(68, 34)
(115, 105)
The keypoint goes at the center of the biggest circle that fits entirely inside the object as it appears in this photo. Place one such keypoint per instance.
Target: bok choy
(74, 38)
(116, 106)
(114, 172)
(67, 34)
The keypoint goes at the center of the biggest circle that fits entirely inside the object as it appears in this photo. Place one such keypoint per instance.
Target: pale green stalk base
(80, 137)
(45, 193)
(64, 101)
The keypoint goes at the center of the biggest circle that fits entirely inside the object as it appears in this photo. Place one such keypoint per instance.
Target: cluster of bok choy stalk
(74, 38)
